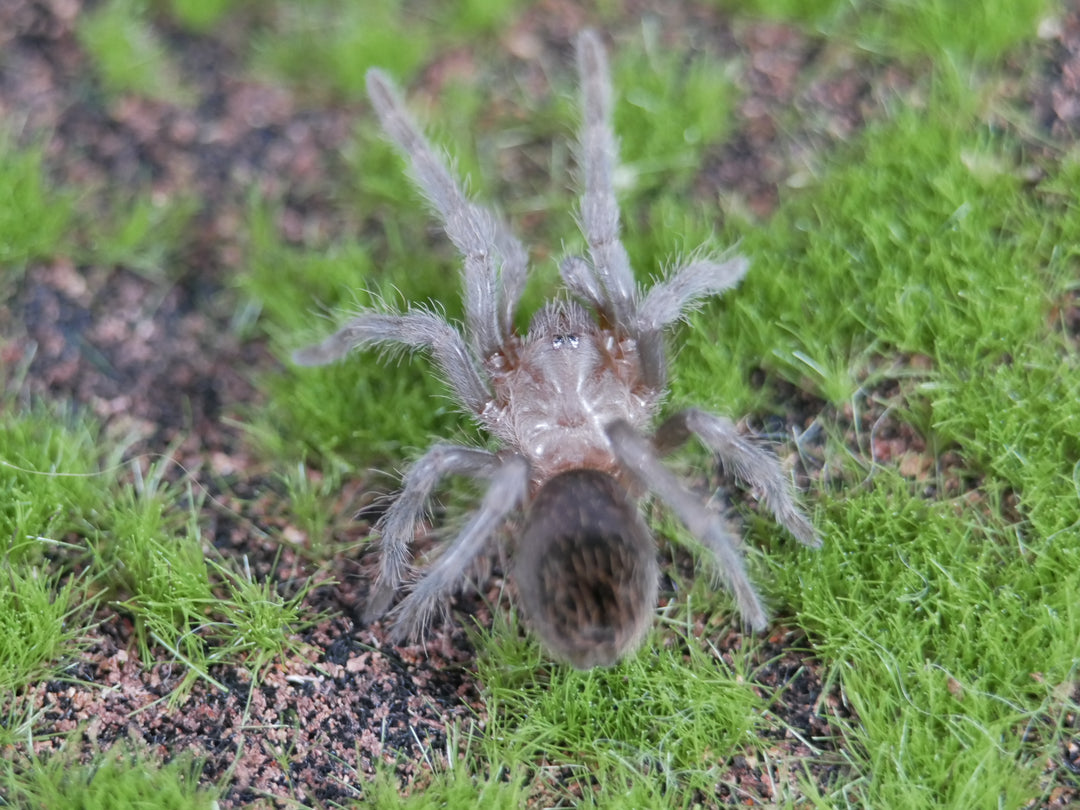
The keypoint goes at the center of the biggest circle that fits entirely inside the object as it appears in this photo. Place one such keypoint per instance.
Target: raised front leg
(496, 263)
(750, 464)
(599, 209)
(397, 528)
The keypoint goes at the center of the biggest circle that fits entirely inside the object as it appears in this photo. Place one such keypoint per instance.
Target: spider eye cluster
(568, 341)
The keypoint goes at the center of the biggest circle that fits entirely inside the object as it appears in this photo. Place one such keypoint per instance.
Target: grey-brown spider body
(570, 379)
(570, 402)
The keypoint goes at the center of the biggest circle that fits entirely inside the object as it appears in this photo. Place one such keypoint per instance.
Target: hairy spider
(569, 402)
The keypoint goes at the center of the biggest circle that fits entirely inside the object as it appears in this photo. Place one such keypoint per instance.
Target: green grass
(979, 32)
(339, 413)
(179, 596)
(951, 272)
(201, 16)
(326, 46)
(34, 218)
(330, 45)
(42, 620)
(918, 265)
(127, 52)
(450, 786)
(117, 779)
(673, 714)
(86, 536)
(950, 626)
(693, 97)
(48, 470)
(42, 221)
(140, 233)
(73, 507)
(950, 634)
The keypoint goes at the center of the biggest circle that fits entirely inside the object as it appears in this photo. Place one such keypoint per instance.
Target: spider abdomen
(585, 569)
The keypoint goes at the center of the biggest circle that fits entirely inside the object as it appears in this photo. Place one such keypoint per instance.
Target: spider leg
(671, 298)
(496, 262)
(639, 458)
(683, 290)
(418, 329)
(509, 485)
(577, 275)
(599, 209)
(397, 527)
(750, 464)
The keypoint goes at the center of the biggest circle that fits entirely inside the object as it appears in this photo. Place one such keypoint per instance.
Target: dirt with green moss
(156, 356)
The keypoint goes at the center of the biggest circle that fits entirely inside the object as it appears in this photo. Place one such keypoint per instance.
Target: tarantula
(569, 402)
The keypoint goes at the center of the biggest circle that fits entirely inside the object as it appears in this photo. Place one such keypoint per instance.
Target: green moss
(363, 407)
(127, 53)
(202, 15)
(669, 109)
(668, 715)
(34, 219)
(329, 45)
(922, 242)
(326, 46)
(948, 636)
(116, 780)
(140, 233)
(912, 29)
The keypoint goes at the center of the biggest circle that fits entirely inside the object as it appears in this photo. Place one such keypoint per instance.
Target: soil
(159, 357)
